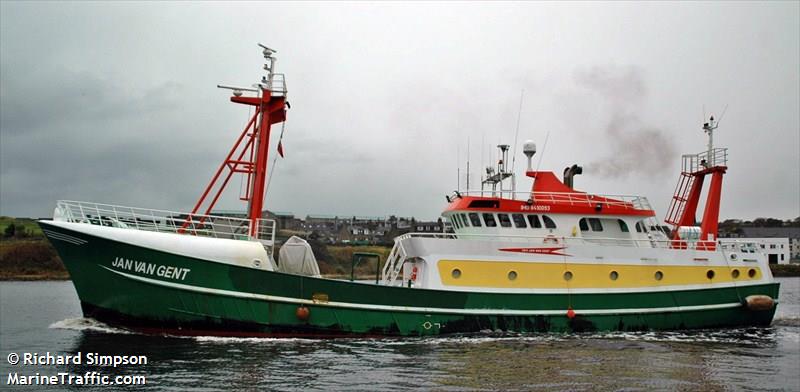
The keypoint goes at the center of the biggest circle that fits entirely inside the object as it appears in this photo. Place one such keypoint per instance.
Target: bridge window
(519, 221)
(474, 219)
(640, 227)
(504, 220)
(456, 222)
(464, 221)
(594, 223)
(488, 219)
(548, 223)
(534, 221)
(623, 226)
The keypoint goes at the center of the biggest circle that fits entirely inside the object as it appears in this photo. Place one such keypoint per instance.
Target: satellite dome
(529, 148)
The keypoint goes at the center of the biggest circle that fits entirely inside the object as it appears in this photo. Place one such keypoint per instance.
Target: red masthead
(251, 150)
(683, 208)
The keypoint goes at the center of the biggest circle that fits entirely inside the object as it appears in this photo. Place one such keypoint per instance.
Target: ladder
(678, 203)
(394, 263)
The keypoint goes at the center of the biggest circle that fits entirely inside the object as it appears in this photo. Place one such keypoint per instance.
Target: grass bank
(30, 259)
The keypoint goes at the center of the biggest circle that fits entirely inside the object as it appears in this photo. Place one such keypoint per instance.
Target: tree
(9, 231)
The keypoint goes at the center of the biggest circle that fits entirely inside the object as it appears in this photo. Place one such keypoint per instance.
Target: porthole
(613, 275)
(567, 275)
(512, 275)
(456, 273)
(256, 263)
(710, 274)
(751, 273)
(735, 274)
(659, 275)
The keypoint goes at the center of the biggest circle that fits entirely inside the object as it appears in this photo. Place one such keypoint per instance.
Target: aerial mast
(709, 128)
(682, 210)
(249, 155)
(495, 178)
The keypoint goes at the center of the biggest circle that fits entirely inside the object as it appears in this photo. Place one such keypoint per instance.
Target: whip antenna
(516, 134)
(723, 114)
(544, 148)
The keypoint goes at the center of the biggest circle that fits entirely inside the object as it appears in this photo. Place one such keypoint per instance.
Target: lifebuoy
(550, 239)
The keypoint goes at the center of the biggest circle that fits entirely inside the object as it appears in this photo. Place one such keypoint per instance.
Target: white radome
(529, 148)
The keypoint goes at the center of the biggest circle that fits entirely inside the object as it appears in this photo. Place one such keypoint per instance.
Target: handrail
(633, 202)
(277, 85)
(693, 163)
(568, 240)
(358, 256)
(163, 221)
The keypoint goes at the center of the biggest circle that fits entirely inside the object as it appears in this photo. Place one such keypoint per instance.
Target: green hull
(199, 297)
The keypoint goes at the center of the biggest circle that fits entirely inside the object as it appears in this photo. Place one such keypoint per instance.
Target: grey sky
(116, 102)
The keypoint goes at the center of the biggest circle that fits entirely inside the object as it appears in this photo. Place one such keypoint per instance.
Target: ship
(548, 259)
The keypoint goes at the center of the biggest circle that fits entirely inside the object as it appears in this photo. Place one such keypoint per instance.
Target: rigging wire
(274, 160)
(241, 177)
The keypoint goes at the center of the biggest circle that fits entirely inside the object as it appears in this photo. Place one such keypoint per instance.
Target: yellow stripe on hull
(495, 274)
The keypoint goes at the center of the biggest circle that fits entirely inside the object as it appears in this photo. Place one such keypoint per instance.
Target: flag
(280, 148)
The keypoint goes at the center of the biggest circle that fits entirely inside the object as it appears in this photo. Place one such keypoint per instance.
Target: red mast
(683, 208)
(249, 155)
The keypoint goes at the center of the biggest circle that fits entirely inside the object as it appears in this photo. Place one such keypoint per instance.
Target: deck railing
(163, 221)
(631, 202)
(693, 163)
(277, 85)
(655, 242)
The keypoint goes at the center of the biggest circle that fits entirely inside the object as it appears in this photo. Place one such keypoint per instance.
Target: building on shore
(437, 226)
(781, 244)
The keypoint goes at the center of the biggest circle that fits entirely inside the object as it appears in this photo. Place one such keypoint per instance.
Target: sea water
(45, 318)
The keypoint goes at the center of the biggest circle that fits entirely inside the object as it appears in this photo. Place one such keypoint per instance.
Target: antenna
(723, 114)
(458, 167)
(269, 66)
(544, 148)
(516, 134)
(480, 170)
(237, 91)
(709, 128)
(467, 164)
(704, 113)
